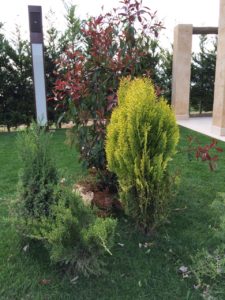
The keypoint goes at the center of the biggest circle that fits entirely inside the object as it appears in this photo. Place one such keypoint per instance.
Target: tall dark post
(36, 39)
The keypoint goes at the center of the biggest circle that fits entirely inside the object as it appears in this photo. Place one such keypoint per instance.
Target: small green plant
(48, 211)
(38, 175)
(75, 238)
(208, 267)
(141, 139)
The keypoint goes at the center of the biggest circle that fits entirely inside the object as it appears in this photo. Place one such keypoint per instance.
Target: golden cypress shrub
(141, 139)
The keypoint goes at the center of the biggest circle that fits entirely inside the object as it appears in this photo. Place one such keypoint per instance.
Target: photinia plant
(204, 153)
(112, 45)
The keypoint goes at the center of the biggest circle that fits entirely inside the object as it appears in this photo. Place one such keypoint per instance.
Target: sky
(171, 12)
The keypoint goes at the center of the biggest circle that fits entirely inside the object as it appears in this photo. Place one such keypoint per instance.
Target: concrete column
(181, 70)
(218, 126)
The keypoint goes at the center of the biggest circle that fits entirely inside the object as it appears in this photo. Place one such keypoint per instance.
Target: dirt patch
(106, 203)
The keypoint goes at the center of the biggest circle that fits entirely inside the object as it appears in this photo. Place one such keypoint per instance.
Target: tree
(72, 33)
(203, 76)
(6, 77)
(23, 84)
(165, 73)
(16, 95)
(51, 53)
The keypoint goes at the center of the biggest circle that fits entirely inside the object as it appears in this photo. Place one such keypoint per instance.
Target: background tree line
(17, 105)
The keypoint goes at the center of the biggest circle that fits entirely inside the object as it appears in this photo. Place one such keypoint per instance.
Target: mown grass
(133, 272)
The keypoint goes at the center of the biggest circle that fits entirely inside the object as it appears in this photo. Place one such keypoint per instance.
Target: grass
(133, 272)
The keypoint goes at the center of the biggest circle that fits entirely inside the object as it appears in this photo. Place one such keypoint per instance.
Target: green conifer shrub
(38, 174)
(75, 238)
(141, 139)
(48, 212)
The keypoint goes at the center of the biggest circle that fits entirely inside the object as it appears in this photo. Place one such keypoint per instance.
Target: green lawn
(133, 272)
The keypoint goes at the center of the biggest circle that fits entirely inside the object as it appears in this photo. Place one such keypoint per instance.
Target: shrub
(120, 43)
(75, 238)
(141, 139)
(38, 174)
(50, 213)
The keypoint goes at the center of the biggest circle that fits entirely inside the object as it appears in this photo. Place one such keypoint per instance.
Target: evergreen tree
(16, 95)
(203, 76)
(6, 78)
(165, 73)
(23, 84)
(56, 44)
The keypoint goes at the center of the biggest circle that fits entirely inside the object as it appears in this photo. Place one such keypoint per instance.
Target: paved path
(202, 125)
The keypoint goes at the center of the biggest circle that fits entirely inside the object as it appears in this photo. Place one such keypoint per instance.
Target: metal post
(36, 39)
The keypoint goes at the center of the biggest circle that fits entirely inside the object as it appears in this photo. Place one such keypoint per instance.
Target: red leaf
(219, 149)
(215, 158)
(110, 98)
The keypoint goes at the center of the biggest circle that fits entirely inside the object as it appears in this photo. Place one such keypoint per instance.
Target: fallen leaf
(184, 272)
(45, 281)
(139, 283)
(148, 251)
(180, 208)
(196, 287)
(25, 248)
(183, 269)
(74, 280)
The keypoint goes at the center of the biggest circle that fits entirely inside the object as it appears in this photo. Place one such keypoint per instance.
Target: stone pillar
(218, 124)
(181, 70)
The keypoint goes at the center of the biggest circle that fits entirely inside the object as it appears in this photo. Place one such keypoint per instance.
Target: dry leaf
(74, 280)
(183, 269)
(45, 281)
(25, 248)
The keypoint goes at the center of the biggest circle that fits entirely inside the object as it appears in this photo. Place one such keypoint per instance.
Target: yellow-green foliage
(141, 139)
